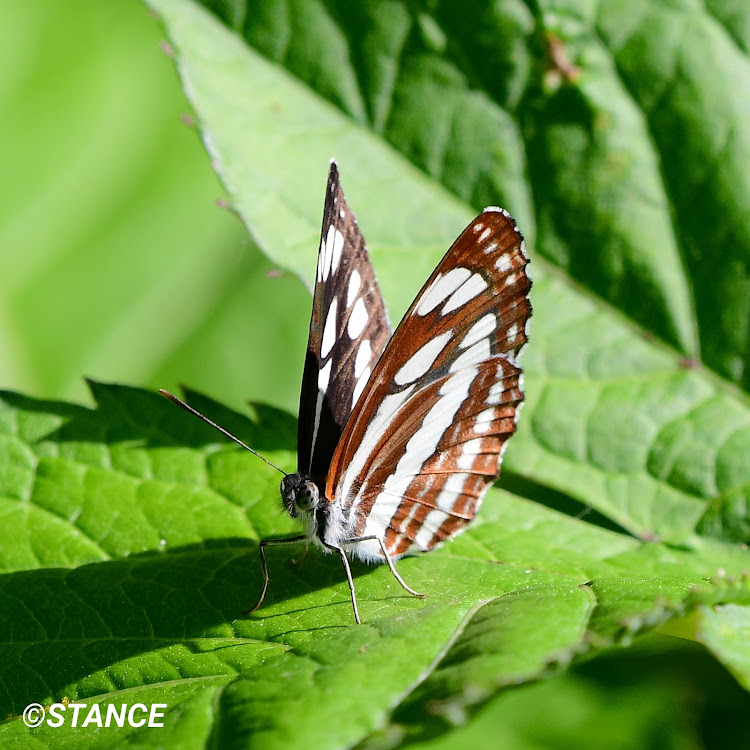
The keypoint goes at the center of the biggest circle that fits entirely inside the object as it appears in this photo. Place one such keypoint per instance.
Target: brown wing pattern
(427, 436)
(349, 329)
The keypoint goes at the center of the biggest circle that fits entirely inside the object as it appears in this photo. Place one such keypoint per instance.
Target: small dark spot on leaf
(649, 536)
(688, 363)
(560, 68)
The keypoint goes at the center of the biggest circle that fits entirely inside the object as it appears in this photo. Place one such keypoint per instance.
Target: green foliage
(131, 529)
(727, 632)
(155, 524)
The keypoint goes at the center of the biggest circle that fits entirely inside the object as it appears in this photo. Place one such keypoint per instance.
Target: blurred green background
(108, 219)
(116, 263)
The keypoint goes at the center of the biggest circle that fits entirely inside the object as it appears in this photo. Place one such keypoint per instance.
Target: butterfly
(400, 434)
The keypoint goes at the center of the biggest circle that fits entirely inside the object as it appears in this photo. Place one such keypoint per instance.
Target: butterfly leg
(350, 581)
(264, 566)
(388, 560)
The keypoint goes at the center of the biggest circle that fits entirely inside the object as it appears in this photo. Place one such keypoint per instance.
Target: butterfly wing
(349, 329)
(426, 438)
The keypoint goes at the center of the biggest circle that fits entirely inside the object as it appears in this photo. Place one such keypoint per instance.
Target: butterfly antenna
(228, 434)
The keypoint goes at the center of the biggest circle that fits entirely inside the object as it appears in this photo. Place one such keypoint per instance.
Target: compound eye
(307, 498)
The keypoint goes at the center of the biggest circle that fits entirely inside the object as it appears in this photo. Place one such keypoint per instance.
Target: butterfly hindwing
(426, 438)
(349, 329)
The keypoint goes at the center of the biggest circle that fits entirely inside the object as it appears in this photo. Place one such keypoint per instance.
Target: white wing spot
(357, 320)
(471, 449)
(325, 253)
(432, 522)
(503, 263)
(495, 392)
(484, 421)
(490, 247)
(324, 376)
(321, 259)
(355, 281)
(338, 246)
(329, 332)
(421, 361)
(478, 227)
(440, 289)
(512, 333)
(487, 232)
(472, 356)
(467, 291)
(364, 354)
(482, 328)
(342, 214)
(451, 491)
(510, 279)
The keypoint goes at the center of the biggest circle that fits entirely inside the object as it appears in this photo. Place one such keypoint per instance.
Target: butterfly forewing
(426, 438)
(349, 329)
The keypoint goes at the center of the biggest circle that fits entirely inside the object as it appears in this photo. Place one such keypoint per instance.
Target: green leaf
(159, 518)
(639, 697)
(726, 631)
(600, 128)
(493, 651)
(683, 70)
(131, 543)
(612, 419)
(727, 516)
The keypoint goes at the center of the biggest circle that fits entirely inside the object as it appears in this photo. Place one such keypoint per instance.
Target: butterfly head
(299, 494)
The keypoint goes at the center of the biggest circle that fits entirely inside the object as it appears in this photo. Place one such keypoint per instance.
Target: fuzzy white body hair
(339, 529)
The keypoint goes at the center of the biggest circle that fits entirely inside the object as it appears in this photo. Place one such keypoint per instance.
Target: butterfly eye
(307, 497)
(298, 494)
